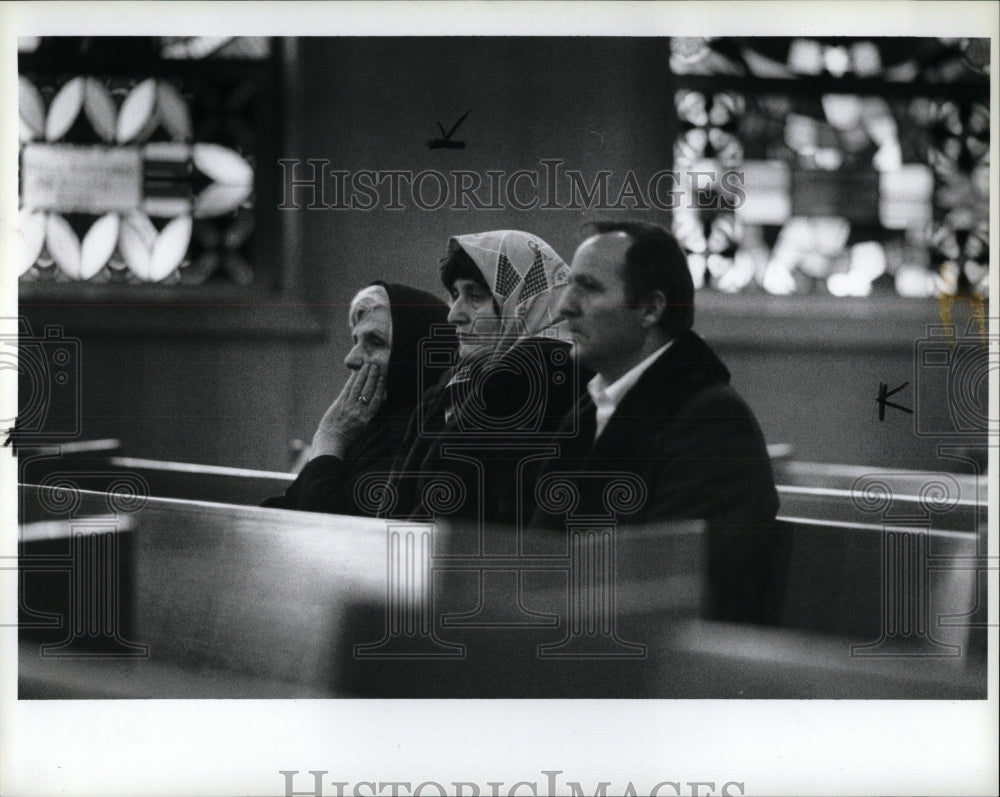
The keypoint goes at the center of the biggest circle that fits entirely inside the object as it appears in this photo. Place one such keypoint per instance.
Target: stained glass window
(136, 166)
(838, 166)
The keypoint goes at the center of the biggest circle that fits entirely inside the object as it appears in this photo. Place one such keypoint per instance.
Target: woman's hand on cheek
(348, 416)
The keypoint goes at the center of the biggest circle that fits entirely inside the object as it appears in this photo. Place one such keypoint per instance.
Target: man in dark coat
(661, 408)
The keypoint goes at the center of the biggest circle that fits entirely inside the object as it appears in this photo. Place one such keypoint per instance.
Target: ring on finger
(363, 399)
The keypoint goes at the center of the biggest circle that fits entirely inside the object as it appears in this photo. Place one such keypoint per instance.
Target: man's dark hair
(655, 261)
(457, 265)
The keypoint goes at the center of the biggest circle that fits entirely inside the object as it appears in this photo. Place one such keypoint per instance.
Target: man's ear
(653, 308)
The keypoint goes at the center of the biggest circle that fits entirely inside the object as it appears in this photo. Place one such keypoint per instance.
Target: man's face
(607, 332)
(372, 339)
(474, 316)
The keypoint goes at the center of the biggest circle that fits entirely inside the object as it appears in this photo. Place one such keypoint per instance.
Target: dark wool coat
(508, 409)
(699, 453)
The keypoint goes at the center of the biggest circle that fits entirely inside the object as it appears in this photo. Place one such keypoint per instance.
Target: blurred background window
(841, 166)
(139, 159)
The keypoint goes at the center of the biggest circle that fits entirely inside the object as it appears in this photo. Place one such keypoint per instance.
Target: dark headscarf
(414, 314)
(329, 484)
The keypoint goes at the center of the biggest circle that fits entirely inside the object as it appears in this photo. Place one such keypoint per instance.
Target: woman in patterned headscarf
(513, 381)
(523, 275)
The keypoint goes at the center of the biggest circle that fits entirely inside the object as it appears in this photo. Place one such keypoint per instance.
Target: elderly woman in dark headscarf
(362, 430)
(513, 382)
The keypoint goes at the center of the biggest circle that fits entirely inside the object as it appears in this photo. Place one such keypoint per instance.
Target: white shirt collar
(607, 397)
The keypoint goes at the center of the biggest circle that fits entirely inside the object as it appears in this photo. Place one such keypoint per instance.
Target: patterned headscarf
(526, 277)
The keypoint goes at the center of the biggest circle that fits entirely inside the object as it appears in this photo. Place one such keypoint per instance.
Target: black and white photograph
(499, 398)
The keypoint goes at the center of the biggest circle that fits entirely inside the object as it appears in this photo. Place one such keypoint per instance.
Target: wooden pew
(97, 467)
(864, 583)
(850, 546)
(100, 462)
(278, 600)
(224, 601)
(808, 491)
(852, 507)
(202, 590)
(796, 473)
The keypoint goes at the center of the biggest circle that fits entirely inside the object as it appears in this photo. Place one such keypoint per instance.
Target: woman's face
(475, 317)
(372, 339)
